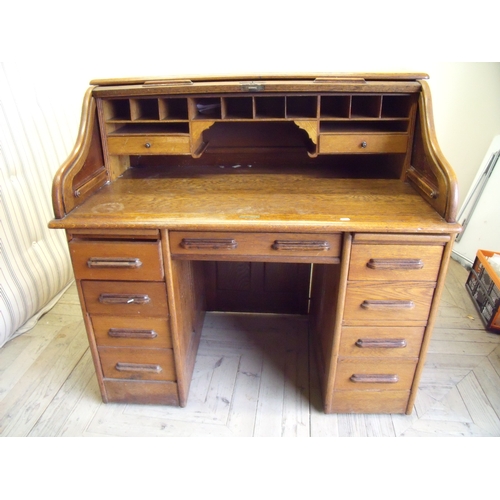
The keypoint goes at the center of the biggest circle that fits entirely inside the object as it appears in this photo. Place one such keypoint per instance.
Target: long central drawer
(265, 247)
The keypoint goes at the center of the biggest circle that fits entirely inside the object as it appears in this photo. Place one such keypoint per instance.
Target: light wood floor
(252, 378)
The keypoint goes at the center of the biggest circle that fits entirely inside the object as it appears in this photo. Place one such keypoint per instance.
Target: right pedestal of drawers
(390, 289)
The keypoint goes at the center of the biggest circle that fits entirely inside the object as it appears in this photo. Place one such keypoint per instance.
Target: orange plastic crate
(483, 285)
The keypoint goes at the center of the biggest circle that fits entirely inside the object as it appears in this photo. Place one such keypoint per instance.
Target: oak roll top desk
(324, 195)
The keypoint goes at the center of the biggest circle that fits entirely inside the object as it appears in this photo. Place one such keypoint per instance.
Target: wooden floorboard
(253, 377)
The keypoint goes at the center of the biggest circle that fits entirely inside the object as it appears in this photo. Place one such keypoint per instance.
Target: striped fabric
(36, 135)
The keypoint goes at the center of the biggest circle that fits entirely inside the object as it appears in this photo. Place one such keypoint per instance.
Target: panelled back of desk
(374, 294)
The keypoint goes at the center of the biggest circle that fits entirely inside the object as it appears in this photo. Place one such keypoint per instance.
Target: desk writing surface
(256, 198)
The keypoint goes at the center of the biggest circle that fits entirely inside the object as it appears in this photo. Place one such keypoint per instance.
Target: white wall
(37, 131)
(466, 100)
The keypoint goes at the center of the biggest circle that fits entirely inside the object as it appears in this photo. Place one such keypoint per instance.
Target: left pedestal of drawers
(121, 282)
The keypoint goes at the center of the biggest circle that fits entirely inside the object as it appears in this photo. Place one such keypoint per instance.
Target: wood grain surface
(256, 198)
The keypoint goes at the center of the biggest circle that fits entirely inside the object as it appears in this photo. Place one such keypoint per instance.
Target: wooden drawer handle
(374, 378)
(129, 333)
(298, 246)
(114, 262)
(388, 304)
(209, 243)
(427, 188)
(126, 298)
(381, 343)
(137, 367)
(395, 264)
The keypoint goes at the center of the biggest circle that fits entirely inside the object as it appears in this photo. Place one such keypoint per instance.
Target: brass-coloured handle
(129, 333)
(125, 298)
(301, 245)
(114, 262)
(381, 343)
(395, 264)
(209, 243)
(388, 304)
(363, 144)
(252, 86)
(370, 378)
(137, 367)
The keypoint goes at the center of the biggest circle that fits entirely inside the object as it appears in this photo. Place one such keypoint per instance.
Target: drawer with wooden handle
(151, 392)
(395, 262)
(375, 374)
(137, 364)
(116, 260)
(363, 143)
(115, 298)
(382, 303)
(125, 331)
(148, 144)
(264, 247)
(381, 341)
(369, 402)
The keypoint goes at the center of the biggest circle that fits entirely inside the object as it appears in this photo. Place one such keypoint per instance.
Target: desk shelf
(151, 127)
(278, 107)
(369, 126)
(316, 114)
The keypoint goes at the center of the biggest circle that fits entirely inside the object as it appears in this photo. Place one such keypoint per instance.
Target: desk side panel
(83, 173)
(186, 294)
(430, 173)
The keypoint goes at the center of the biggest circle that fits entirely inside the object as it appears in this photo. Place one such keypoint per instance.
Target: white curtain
(38, 129)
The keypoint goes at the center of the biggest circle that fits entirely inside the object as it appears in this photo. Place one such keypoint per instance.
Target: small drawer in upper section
(365, 124)
(395, 262)
(363, 143)
(148, 144)
(116, 260)
(146, 126)
(264, 247)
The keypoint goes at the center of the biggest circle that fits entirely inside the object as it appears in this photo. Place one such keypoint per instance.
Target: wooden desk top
(255, 199)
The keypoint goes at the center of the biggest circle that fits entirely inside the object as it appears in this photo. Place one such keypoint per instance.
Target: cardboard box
(483, 285)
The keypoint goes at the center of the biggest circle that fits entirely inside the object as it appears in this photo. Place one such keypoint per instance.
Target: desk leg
(186, 295)
(328, 292)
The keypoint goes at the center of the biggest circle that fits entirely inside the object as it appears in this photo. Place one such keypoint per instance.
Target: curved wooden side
(83, 172)
(430, 172)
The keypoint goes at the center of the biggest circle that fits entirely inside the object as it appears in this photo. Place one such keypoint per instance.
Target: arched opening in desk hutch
(259, 136)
